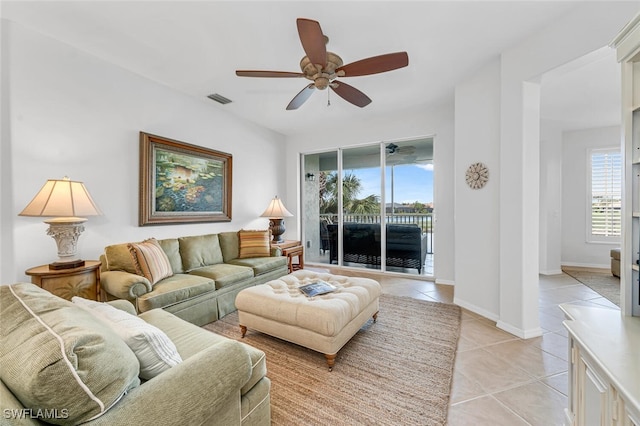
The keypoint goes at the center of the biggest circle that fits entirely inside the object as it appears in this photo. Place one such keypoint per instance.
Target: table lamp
(64, 200)
(276, 212)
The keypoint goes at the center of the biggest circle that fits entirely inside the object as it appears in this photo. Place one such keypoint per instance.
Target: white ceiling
(195, 47)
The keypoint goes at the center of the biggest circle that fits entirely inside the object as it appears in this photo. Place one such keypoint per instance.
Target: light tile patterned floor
(500, 379)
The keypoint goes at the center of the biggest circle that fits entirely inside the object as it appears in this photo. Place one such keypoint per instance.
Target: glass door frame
(340, 213)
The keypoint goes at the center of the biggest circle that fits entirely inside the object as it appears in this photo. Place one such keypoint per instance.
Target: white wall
(73, 114)
(588, 27)
(550, 198)
(6, 230)
(576, 251)
(436, 121)
(477, 249)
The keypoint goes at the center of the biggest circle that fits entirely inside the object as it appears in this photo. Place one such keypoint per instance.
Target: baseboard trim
(552, 272)
(475, 309)
(523, 334)
(445, 282)
(518, 332)
(585, 265)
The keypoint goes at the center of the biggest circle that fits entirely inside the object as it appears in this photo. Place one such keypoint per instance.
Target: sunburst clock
(477, 175)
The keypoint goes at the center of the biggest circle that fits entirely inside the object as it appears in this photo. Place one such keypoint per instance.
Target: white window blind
(606, 193)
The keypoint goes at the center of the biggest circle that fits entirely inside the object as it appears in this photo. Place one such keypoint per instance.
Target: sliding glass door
(320, 206)
(370, 206)
(361, 207)
(409, 207)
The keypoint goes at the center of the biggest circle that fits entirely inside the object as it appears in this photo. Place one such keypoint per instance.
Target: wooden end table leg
(331, 360)
(375, 317)
(243, 330)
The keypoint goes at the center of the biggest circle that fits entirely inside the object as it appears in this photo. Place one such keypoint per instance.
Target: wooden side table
(83, 281)
(291, 249)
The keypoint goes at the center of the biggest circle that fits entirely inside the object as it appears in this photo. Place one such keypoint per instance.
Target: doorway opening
(348, 193)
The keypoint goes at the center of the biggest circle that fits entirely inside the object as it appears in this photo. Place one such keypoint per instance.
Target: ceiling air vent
(219, 98)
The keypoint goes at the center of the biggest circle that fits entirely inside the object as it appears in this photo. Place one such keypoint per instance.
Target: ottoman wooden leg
(331, 360)
(243, 330)
(375, 317)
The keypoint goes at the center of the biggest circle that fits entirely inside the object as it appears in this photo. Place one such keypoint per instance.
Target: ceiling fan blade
(250, 73)
(407, 150)
(376, 64)
(313, 41)
(301, 97)
(350, 94)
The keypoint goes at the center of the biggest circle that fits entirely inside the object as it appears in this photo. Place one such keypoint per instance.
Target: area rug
(602, 283)
(397, 370)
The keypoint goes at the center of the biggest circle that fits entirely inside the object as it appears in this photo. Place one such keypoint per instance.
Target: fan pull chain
(328, 98)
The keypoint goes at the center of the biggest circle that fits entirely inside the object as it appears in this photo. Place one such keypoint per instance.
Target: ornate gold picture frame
(182, 183)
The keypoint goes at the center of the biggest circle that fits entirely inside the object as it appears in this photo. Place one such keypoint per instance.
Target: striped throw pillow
(150, 260)
(254, 244)
(153, 348)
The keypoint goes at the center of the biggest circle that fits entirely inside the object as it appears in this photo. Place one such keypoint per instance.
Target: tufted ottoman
(322, 323)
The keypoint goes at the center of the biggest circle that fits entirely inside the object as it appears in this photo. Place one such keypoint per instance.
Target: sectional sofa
(63, 364)
(196, 278)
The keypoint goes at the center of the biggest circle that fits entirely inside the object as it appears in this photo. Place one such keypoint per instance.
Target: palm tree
(367, 205)
(351, 187)
(328, 192)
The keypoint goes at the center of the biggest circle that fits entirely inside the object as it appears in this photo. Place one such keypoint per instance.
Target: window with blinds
(606, 194)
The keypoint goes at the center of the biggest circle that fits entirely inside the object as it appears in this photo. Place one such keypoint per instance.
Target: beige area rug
(396, 371)
(602, 283)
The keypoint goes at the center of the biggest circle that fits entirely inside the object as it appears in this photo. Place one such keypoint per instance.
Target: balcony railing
(423, 220)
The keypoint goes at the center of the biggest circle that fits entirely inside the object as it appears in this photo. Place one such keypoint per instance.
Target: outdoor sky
(412, 182)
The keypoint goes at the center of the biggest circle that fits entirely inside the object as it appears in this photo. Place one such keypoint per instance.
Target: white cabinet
(592, 402)
(627, 45)
(604, 367)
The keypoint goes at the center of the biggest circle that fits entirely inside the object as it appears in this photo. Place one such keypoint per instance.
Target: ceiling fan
(393, 149)
(407, 154)
(323, 67)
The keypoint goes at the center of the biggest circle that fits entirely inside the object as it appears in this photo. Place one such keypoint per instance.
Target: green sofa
(207, 275)
(60, 364)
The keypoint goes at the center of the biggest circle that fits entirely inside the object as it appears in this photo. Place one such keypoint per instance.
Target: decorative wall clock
(477, 175)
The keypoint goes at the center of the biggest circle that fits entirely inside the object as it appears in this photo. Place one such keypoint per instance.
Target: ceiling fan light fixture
(322, 83)
(323, 67)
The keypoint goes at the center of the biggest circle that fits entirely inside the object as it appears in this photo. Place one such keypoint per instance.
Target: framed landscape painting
(182, 183)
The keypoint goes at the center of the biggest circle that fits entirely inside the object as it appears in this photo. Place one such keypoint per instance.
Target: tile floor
(500, 379)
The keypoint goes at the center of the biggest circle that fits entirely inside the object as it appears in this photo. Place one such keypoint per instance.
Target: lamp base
(277, 229)
(66, 230)
(66, 265)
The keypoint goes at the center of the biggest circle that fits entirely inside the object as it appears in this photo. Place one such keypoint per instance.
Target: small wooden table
(291, 249)
(83, 281)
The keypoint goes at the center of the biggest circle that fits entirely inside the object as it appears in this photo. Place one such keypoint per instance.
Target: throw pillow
(153, 348)
(58, 359)
(200, 250)
(254, 244)
(119, 258)
(150, 260)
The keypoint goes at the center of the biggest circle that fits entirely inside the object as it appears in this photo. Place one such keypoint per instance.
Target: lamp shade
(276, 210)
(62, 198)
